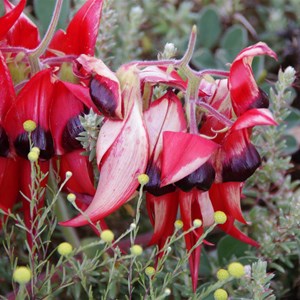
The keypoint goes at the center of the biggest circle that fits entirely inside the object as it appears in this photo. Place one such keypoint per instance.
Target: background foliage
(139, 29)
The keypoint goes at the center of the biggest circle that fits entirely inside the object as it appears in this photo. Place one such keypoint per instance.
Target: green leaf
(205, 265)
(234, 40)
(229, 248)
(43, 10)
(209, 27)
(293, 119)
(203, 58)
(291, 145)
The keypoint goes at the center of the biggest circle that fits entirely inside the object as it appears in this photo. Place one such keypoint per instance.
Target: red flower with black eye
(122, 154)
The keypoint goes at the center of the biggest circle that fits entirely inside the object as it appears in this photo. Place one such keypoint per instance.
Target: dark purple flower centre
(262, 100)
(70, 133)
(202, 179)
(153, 186)
(4, 143)
(40, 138)
(103, 97)
(240, 167)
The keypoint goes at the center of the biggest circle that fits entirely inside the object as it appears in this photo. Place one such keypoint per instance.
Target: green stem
(41, 48)
(61, 212)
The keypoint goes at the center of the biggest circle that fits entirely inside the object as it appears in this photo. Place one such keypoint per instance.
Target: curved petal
(189, 211)
(244, 91)
(124, 161)
(24, 33)
(9, 183)
(220, 197)
(81, 182)
(163, 210)
(254, 117)
(32, 103)
(164, 114)
(64, 118)
(9, 19)
(7, 91)
(183, 153)
(81, 35)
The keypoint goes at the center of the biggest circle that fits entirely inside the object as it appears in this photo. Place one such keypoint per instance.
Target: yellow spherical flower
(197, 223)
(178, 224)
(64, 249)
(220, 217)
(22, 275)
(220, 294)
(29, 125)
(33, 156)
(236, 269)
(136, 250)
(222, 274)
(143, 179)
(150, 271)
(107, 236)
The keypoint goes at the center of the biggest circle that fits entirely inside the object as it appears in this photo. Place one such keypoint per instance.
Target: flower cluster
(189, 148)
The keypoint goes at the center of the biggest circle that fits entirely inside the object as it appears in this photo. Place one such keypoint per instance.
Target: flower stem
(215, 113)
(41, 48)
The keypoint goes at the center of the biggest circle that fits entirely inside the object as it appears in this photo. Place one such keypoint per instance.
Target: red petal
(9, 183)
(124, 161)
(24, 33)
(164, 114)
(220, 197)
(7, 92)
(81, 182)
(32, 103)
(81, 34)
(183, 153)
(164, 210)
(254, 117)
(8, 20)
(227, 197)
(65, 106)
(189, 211)
(244, 91)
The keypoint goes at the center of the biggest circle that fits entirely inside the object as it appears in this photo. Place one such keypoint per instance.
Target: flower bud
(220, 217)
(178, 224)
(107, 236)
(150, 271)
(222, 274)
(143, 179)
(71, 197)
(64, 249)
(136, 250)
(197, 223)
(22, 275)
(33, 156)
(29, 126)
(69, 174)
(236, 270)
(220, 294)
